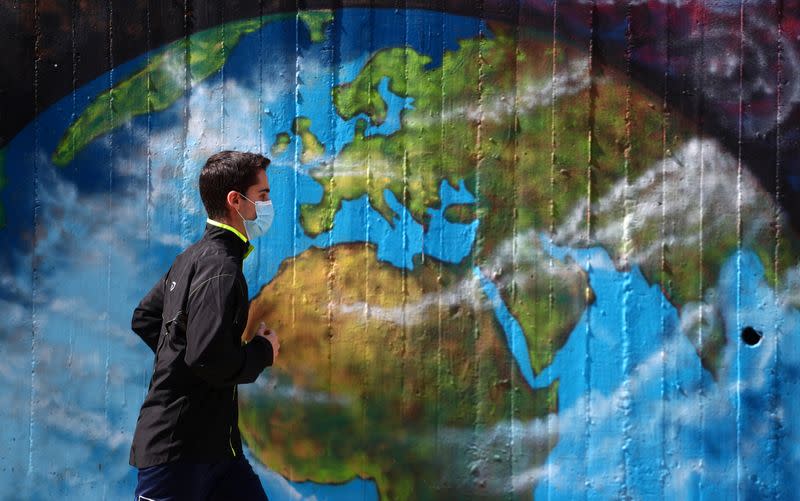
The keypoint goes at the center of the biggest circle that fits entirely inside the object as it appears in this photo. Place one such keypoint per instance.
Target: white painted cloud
(686, 197)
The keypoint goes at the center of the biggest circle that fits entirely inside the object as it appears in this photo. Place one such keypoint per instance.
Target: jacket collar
(215, 229)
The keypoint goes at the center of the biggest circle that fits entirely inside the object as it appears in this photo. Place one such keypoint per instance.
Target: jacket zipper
(230, 430)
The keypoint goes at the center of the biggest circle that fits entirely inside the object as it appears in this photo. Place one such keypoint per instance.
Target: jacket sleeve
(147, 317)
(213, 348)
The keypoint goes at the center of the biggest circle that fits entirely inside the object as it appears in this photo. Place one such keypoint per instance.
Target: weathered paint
(503, 264)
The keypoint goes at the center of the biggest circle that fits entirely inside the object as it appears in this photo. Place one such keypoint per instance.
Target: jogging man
(187, 444)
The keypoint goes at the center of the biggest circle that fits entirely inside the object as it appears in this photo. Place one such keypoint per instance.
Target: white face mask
(264, 215)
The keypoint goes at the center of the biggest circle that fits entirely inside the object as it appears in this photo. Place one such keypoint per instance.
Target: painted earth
(496, 271)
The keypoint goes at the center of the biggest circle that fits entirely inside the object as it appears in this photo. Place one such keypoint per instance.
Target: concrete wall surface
(521, 250)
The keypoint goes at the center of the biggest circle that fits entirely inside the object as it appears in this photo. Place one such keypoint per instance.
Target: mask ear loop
(240, 215)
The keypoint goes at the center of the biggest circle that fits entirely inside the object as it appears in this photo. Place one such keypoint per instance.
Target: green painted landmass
(312, 147)
(460, 213)
(316, 21)
(388, 392)
(163, 81)
(3, 183)
(376, 163)
(155, 87)
(547, 297)
(512, 161)
(686, 267)
(282, 141)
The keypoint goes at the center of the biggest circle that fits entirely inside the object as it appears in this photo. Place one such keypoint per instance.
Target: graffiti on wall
(502, 264)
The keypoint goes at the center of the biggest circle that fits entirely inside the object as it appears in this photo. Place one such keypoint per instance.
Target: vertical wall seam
(439, 264)
(775, 381)
(478, 247)
(188, 25)
(663, 469)
(702, 243)
(73, 116)
(551, 425)
(627, 250)
(295, 184)
(148, 214)
(515, 129)
(367, 227)
(34, 263)
(587, 367)
(740, 126)
(223, 52)
(404, 238)
(109, 206)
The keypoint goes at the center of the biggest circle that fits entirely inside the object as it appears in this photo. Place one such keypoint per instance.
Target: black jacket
(193, 320)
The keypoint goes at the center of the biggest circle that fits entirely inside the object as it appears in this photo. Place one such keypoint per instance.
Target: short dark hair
(226, 171)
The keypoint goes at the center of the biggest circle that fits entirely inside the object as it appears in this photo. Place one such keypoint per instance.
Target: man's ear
(234, 199)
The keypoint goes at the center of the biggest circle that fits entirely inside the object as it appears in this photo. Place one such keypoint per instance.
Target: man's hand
(270, 336)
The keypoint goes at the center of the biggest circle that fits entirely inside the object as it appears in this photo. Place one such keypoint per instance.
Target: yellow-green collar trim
(235, 232)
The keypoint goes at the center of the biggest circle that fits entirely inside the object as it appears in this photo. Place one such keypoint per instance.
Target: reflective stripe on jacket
(193, 319)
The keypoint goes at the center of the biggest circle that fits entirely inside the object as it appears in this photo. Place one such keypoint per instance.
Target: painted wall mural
(505, 264)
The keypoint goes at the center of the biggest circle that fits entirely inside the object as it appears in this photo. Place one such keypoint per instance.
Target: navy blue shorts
(183, 481)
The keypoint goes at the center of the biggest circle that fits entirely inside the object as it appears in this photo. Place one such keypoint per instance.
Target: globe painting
(497, 269)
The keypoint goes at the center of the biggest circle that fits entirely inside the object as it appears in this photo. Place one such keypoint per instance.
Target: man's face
(256, 192)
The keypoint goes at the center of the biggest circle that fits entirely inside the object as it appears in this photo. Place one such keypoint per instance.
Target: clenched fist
(270, 336)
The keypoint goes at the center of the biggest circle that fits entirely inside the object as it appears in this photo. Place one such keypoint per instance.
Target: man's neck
(233, 222)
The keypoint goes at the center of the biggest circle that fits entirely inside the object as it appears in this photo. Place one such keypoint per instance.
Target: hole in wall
(750, 336)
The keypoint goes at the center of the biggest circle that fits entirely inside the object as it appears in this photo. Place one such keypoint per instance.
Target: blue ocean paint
(401, 241)
(515, 336)
(396, 242)
(446, 241)
(608, 410)
(656, 424)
